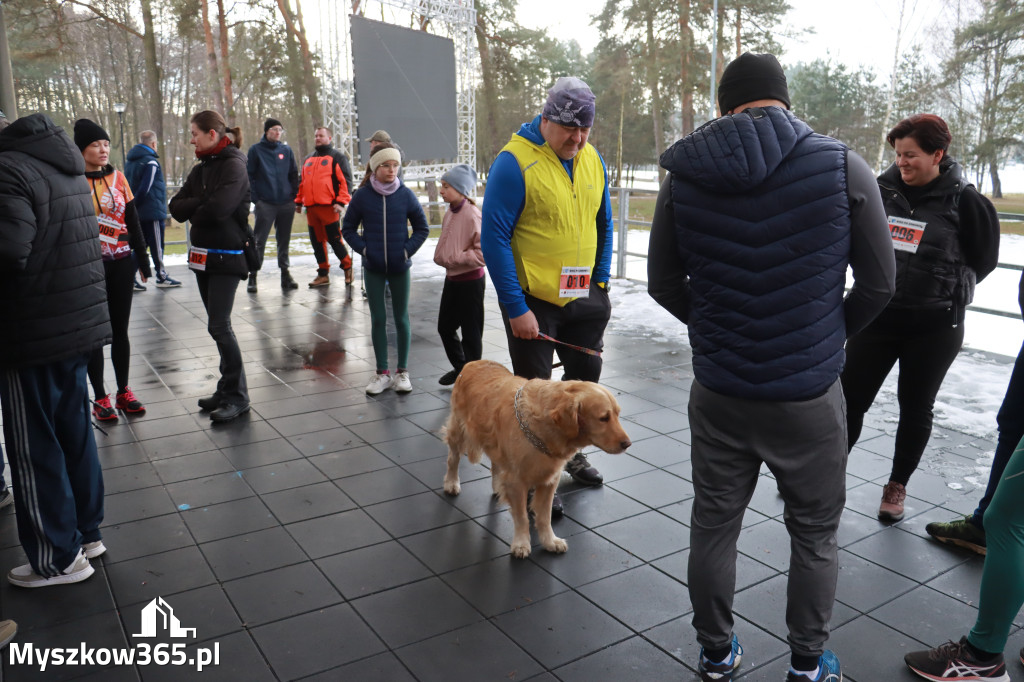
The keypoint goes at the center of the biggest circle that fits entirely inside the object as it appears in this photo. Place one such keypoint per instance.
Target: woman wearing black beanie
(120, 235)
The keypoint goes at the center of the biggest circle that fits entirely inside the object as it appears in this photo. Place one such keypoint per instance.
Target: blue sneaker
(828, 670)
(139, 287)
(720, 672)
(167, 282)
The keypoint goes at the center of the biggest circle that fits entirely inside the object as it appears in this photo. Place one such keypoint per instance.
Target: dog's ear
(565, 414)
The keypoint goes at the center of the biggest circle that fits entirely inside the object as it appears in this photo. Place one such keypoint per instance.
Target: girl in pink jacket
(458, 252)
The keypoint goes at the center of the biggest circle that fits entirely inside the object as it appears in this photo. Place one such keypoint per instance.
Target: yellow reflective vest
(558, 225)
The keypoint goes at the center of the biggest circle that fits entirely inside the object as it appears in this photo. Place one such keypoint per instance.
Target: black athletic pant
(581, 323)
(120, 281)
(925, 343)
(462, 306)
(218, 294)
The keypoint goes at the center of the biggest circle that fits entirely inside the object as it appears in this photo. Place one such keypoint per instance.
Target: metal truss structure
(455, 19)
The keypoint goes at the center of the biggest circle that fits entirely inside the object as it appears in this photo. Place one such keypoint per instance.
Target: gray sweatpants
(804, 445)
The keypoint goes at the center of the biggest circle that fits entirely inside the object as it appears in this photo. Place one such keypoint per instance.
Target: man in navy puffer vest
(753, 232)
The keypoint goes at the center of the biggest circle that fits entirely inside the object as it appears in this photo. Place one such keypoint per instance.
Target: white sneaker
(6, 497)
(24, 576)
(380, 383)
(402, 383)
(94, 549)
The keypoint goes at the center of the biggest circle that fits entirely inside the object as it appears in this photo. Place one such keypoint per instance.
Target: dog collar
(534, 439)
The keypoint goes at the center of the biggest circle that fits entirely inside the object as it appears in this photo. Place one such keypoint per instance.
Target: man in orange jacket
(324, 191)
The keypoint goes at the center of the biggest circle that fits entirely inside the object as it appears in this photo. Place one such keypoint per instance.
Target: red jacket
(323, 181)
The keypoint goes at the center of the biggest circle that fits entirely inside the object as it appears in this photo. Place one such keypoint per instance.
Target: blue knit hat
(462, 178)
(570, 103)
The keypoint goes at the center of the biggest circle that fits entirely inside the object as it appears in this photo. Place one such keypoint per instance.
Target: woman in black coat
(215, 198)
(946, 239)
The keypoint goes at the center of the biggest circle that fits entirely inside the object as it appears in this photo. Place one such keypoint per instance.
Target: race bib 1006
(574, 283)
(906, 233)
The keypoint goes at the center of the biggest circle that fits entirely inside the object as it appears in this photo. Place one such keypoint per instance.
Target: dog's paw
(521, 550)
(452, 488)
(557, 545)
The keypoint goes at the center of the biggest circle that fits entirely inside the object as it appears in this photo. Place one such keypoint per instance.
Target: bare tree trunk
(293, 69)
(213, 78)
(739, 29)
(618, 150)
(685, 75)
(652, 84)
(891, 95)
(997, 184)
(720, 44)
(492, 141)
(153, 94)
(222, 26)
(307, 80)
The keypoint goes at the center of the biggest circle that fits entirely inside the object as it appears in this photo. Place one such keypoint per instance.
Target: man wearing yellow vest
(547, 242)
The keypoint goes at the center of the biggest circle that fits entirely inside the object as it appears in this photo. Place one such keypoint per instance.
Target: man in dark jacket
(273, 180)
(146, 179)
(753, 232)
(53, 304)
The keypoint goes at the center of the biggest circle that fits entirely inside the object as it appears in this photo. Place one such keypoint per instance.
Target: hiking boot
(127, 401)
(402, 383)
(829, 670)
(954, 661)
(138, 287)
(94, 549)
(581, 471)
(8, 629)
(380, 383)
(226, 412)
(211, 403)
(962, 532)
(287, 282)
(252, 283)
(320, 281)
(24, 576)
(448, 378)
(891, 508)
(167, 282)
(722, 671)
(102, 411)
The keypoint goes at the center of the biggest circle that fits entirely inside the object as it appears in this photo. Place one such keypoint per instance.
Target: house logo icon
(158, 616)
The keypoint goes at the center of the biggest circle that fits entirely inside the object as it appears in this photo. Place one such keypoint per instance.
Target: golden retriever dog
(529, 430)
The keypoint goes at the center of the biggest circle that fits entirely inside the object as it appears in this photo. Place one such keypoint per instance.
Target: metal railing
(624, 222)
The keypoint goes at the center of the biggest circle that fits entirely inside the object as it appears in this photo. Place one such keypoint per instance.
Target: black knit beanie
(87, 132)
(270, 123)
(751, 77)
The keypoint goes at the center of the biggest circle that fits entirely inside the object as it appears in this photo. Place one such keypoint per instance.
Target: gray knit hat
(462, 178)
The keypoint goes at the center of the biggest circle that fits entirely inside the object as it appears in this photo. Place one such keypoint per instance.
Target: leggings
(399, 285)
(1002, 578)
(218, 294)
(120, 281)
(462, 306)
(925, 344)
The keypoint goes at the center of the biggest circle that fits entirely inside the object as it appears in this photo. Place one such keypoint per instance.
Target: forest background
(166, 59)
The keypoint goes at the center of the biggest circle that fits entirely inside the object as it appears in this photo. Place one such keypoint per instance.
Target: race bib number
(574, 283)
(906, 233)
(110, 229)
(197, 258)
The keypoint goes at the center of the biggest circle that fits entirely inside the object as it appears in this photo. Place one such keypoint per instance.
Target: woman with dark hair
(946, 239)
(215, 197)
(120, 235)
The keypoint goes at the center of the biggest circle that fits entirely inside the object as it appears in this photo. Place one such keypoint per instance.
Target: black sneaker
(448, 378)
(252, 283)
(581, 471)
(961, 532)
(954, 661)
(287, 282)
(138, 287)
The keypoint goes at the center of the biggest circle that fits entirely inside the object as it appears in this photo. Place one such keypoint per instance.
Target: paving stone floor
(311, 539)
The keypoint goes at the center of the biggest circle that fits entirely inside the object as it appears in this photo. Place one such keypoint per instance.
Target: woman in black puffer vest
(215, 198)
(946, 237)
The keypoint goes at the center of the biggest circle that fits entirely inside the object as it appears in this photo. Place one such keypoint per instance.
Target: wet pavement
(311, 539)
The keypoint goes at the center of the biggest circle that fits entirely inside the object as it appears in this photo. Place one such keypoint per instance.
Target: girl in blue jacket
(385, 208)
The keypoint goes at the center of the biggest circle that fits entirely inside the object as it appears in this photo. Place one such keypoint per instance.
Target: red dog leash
(588, 351)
